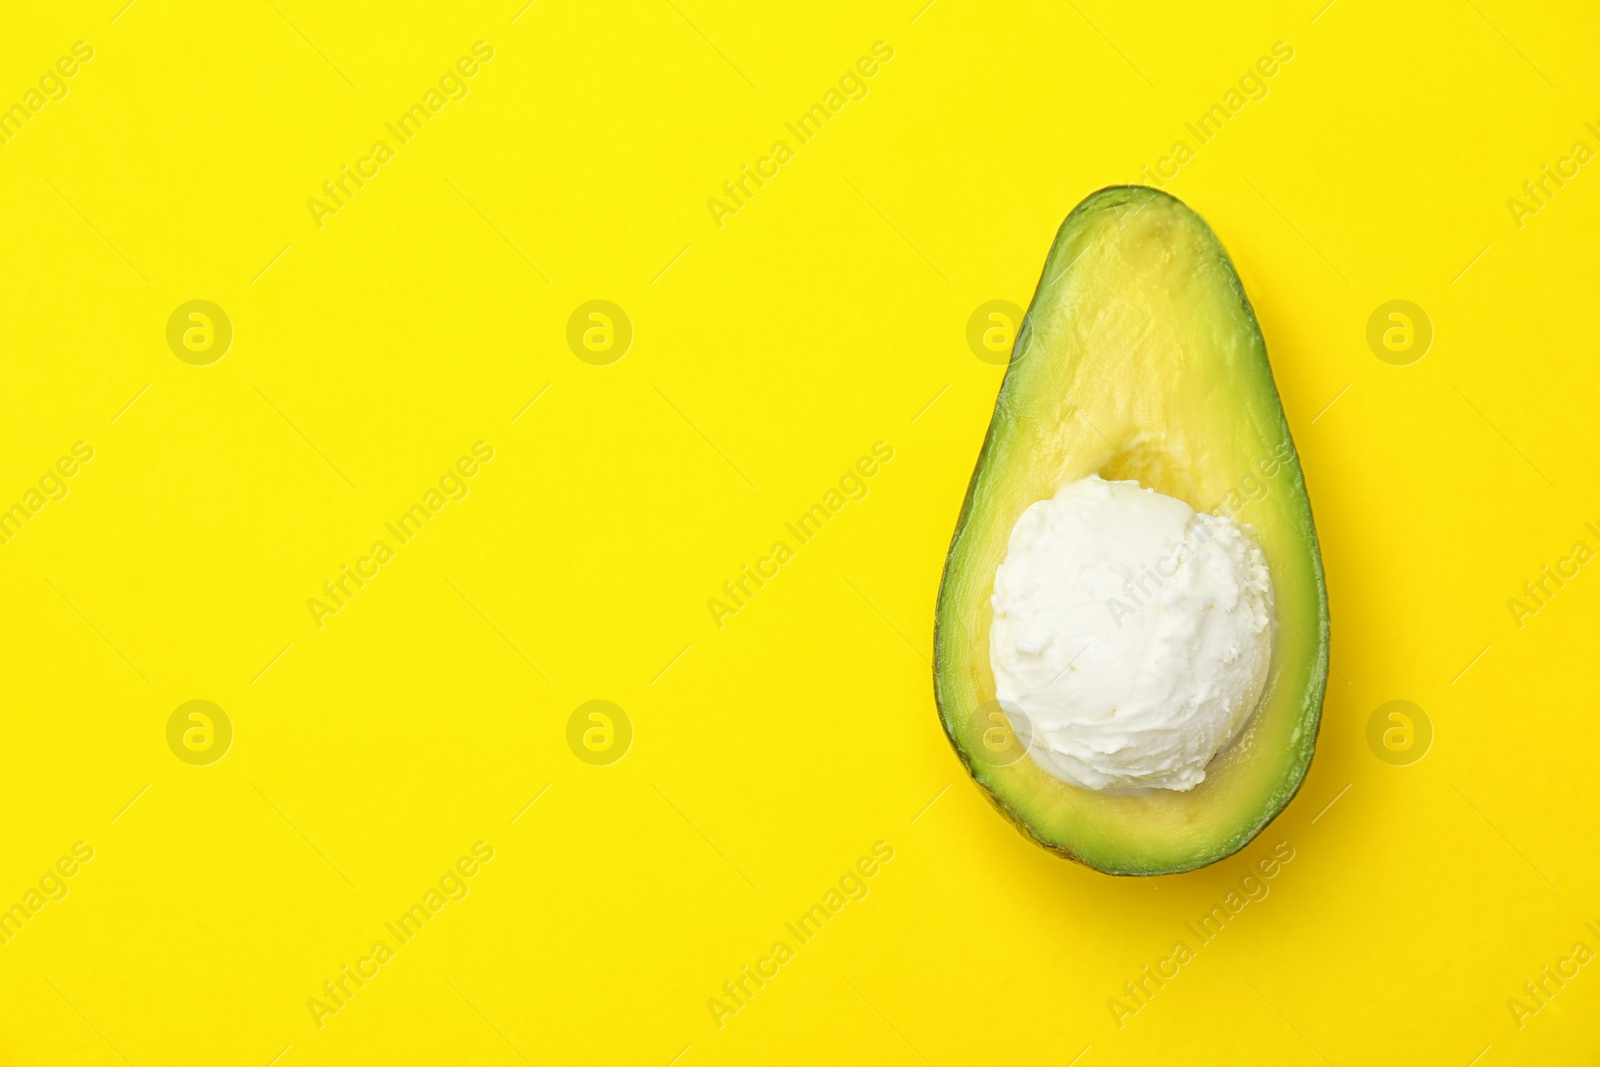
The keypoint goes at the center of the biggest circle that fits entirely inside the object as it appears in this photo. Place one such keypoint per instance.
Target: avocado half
(1139, 358)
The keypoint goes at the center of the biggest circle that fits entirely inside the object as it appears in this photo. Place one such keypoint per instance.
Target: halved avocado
(1139, 358)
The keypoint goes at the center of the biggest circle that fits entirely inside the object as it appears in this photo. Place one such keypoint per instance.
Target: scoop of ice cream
(1133, 633)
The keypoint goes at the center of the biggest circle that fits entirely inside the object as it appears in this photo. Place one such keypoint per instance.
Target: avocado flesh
(1140, 358)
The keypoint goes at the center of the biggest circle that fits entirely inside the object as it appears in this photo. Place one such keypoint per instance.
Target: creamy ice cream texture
(1132, 633)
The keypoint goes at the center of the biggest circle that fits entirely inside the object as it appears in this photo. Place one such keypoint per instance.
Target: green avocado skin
(1050, 813)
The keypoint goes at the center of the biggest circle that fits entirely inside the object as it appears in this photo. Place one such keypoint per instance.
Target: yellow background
(771, 753)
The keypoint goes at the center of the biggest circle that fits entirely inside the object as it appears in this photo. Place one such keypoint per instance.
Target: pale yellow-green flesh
(1142, 360)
